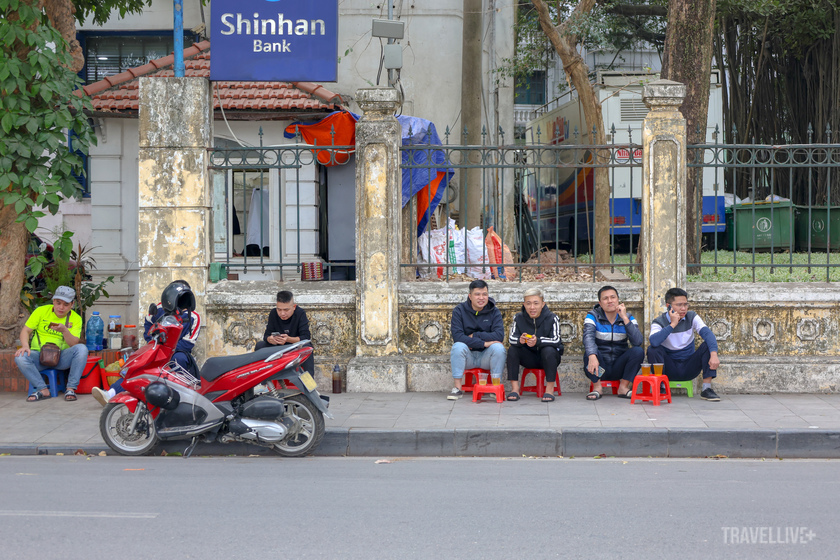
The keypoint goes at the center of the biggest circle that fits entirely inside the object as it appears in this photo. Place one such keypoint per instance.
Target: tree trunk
(472, 201)
(688, 59)
(565, 42)
(61, 15)
(13, 242)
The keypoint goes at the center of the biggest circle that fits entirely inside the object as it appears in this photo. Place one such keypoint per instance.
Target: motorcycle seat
(214, 368)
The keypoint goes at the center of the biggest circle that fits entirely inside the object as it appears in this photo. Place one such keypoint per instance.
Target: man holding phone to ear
(672, 344)
(287, 324)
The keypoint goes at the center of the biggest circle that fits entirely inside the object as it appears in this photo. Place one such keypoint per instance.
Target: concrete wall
(782, 344)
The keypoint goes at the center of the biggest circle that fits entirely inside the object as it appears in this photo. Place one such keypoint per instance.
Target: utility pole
(471, 196)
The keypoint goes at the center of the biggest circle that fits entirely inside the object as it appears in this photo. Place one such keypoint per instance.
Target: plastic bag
(477, 254)
(499, 254)
(442, 249)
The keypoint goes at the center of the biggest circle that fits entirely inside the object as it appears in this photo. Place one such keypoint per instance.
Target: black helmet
(177, 295)
(162, 396)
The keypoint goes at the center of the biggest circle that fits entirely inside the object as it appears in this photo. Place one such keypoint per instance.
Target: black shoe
(709, 395)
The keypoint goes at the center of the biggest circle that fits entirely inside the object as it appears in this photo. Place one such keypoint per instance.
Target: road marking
(98, 514)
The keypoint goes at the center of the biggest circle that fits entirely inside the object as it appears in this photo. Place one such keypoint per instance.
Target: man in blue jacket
(607, 330)
(672, 344)
(478, 330)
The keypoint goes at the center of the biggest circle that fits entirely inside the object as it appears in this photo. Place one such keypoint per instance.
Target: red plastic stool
(605, 383)
(539, 383)
(470, 379)
(650, 386)
(478, 391)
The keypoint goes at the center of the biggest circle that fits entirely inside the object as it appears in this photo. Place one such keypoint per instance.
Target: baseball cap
(65, 293)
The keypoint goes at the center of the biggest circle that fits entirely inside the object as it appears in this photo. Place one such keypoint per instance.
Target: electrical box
(393, 56)
(388, 28)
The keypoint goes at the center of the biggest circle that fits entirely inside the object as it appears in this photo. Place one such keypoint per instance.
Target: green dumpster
(771, 223)
(824, 222)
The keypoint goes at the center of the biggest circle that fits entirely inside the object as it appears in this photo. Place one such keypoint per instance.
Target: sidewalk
(426, 424)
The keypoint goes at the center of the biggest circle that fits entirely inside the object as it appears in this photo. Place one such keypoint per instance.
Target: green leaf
(31, 224)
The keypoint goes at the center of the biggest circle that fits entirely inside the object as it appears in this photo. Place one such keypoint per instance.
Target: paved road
(155, 507)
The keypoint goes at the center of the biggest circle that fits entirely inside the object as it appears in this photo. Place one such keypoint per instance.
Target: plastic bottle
(93, 332)
(336, 379)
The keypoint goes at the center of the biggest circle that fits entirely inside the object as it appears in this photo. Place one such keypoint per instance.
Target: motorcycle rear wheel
(114, 423)
(312, 427)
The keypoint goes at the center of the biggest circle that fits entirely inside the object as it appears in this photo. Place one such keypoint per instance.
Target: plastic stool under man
(539, 383)
(471, 378)
(52, 376)
(687, 385)
(612, 383)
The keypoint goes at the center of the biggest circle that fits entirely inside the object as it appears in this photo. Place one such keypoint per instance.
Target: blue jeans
(73, 358)
(492, 358)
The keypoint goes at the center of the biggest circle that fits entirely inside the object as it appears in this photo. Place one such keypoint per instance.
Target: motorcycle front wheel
(114, 426)
(308, 430)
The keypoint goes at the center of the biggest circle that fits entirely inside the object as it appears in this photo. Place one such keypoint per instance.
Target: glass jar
(129, 337)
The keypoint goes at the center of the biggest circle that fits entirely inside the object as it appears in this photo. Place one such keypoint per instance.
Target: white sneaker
(100, 396)
(455, 394)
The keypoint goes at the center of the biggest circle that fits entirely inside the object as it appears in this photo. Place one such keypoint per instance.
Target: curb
(568, 442)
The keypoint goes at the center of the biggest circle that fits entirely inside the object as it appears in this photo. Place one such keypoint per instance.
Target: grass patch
(770, 267)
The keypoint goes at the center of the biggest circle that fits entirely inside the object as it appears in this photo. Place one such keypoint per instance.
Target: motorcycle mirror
(152, 309)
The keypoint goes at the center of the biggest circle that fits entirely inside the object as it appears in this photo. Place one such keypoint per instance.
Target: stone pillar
(377, 367)
(173, 237)
(663, 194)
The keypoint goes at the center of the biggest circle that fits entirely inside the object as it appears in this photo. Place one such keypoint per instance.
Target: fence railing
(783, 226)
(538, 198)
(266, 215)
(549, 191)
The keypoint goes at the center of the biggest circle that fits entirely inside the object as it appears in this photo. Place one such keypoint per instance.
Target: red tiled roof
(119, 93)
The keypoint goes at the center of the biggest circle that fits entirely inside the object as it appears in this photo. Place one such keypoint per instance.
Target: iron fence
(258, 212)
(550, 187)
(785, 227)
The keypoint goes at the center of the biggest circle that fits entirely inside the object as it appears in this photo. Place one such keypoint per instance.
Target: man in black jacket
(478, 330)
(287, 324)
(534, 343)
(606, 331)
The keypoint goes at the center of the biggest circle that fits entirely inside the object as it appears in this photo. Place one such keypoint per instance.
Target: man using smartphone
(612, 344)
(672, 344)
(287, 324)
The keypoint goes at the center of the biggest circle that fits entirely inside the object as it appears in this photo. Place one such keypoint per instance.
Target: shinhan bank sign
(274, 40)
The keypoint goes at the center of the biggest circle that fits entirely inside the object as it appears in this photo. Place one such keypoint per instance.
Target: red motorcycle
(163, 402)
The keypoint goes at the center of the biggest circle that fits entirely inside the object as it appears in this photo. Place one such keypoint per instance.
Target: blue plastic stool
(687, 385)
(56, 379)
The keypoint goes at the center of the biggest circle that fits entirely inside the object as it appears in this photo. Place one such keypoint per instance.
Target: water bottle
(336, 379)
(94, 332)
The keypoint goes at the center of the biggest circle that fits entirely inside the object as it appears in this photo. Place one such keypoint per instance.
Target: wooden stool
(650, 385)
(539, 383)
(605, 383)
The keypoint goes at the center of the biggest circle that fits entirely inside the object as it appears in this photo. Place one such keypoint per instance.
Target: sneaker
(709, 395)
(100, 396)
(455, 394)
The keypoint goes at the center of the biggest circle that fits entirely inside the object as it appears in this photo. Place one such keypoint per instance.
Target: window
(531, 90)
(83, 177)
(110, 54)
